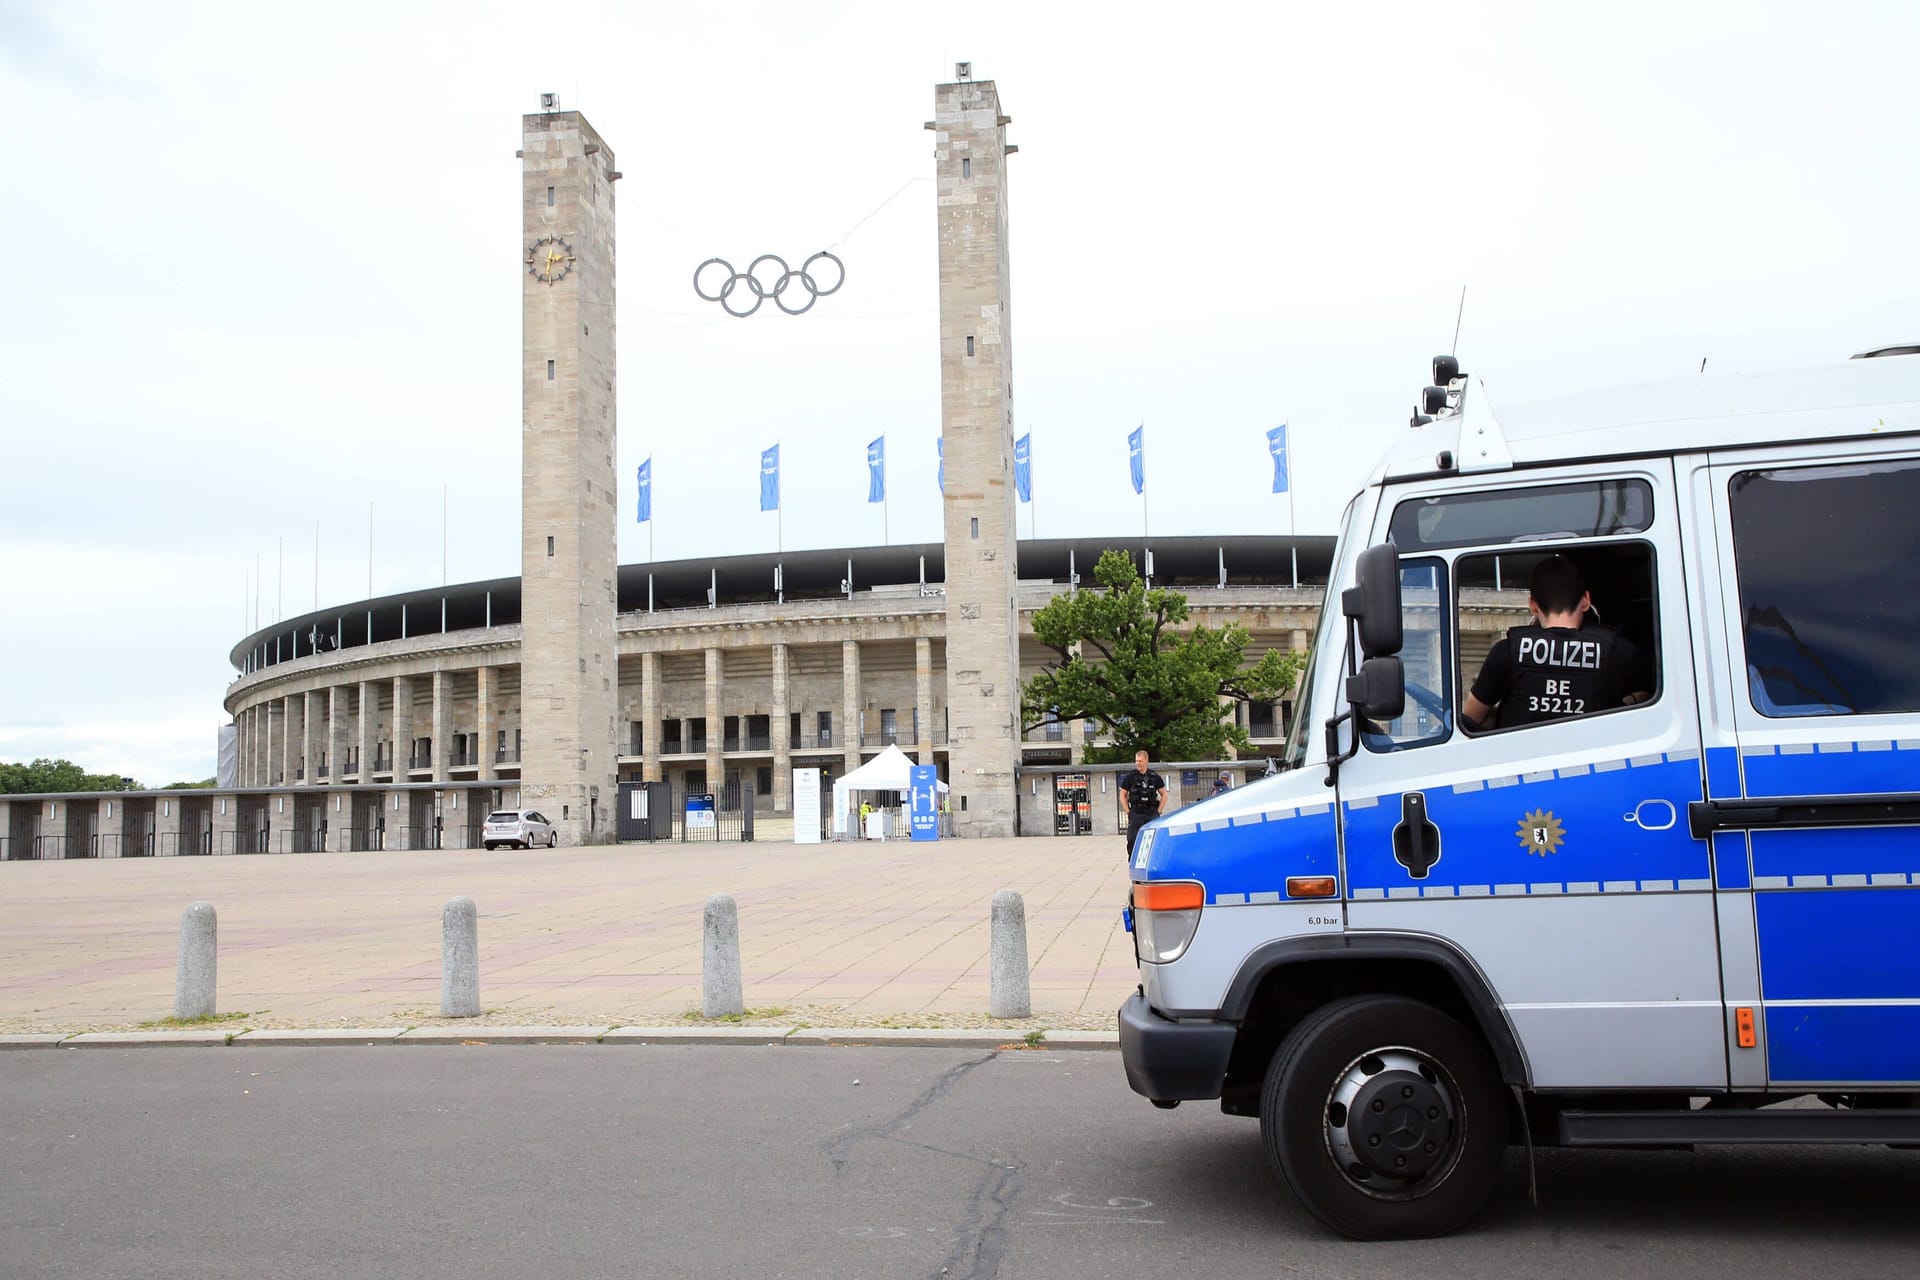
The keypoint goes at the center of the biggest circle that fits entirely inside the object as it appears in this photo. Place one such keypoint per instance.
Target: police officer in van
(1556, 667)
(1144, 793)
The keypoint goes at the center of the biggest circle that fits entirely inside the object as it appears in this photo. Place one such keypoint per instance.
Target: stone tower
(976, 430)
(569, 672)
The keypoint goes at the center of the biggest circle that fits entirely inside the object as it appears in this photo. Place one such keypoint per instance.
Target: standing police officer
(1555, 667)
(1144, 793)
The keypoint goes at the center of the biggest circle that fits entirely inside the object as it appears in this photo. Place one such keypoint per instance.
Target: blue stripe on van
(1480, 833)
(1250, 856)
(1839, 944)
(1723, 772)
(1833, 768)
(1730, 860)
(1867, 1043)
(1858, 851)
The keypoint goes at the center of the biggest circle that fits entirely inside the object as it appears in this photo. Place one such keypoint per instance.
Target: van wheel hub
(1391, 1121)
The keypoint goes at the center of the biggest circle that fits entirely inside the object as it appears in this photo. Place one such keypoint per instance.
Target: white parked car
(521, 828)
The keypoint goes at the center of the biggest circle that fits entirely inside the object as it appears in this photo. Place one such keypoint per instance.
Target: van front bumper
(1173, 1061)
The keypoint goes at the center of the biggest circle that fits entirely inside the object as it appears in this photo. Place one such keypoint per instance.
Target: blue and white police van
(1692, 918)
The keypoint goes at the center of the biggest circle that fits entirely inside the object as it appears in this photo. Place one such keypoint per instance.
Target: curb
(804, 1037)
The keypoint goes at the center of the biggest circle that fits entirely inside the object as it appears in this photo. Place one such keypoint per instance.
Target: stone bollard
(194, 980)
(1009, 996)
(720, 959)
(459, 959)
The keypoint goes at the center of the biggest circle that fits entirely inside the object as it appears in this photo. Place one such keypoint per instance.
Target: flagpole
(1293, 529)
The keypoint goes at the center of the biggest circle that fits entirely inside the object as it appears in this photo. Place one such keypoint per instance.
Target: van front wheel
(1384, 1117)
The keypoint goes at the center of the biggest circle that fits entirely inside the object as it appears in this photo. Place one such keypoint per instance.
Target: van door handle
(1416, 841)
(1889, 809)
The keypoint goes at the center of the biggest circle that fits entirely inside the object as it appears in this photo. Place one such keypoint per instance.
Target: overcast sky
(267, 265)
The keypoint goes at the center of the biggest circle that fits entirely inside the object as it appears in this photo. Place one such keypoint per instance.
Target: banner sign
(923, 814)
(806, 806)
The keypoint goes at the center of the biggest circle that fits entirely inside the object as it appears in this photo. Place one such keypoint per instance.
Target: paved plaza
(851, 934)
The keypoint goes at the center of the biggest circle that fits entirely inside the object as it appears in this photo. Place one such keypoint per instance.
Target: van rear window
(1494, 517)
(505, 815)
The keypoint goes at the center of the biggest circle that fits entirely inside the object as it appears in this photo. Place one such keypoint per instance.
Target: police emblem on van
(1541, 833)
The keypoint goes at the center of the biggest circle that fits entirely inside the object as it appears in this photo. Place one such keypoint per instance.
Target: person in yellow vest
(865, 810)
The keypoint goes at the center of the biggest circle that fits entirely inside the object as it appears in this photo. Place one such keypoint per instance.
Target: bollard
(459, 959)
(720, 959)
(194, 980)
(1009, 996)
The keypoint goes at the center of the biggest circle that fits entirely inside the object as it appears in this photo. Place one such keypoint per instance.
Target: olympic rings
(762, 285)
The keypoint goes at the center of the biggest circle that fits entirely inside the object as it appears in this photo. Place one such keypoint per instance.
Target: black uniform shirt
(1535, 674)
(1143, 790)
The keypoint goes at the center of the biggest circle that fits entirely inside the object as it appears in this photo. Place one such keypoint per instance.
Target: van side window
(1426, 655)
(1824, 558)
(1589, 644)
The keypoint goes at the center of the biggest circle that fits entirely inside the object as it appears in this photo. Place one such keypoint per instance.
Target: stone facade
(567, 491)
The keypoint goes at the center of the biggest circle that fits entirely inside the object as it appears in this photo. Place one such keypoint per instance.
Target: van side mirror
(1374, 604)
(1378, 691)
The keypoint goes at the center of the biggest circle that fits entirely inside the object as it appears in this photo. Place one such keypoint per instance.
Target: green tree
(57, 777)
(205, 784)
(1127, 659)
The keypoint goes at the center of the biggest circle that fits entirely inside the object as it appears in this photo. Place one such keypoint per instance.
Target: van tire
(1425, 1097)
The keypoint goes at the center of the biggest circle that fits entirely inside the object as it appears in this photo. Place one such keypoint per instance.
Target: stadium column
(923, 699)
(442, 724)
(780, 734)
(851, 706)
(338, 696)
(650, 717)
(485, 680)
(366, 704)
(402, 727)
(716, 763)
(976, 431)
(569, 660)
(312, 743)
(291, 741)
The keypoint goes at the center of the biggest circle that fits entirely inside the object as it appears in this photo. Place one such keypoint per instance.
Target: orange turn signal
(1743, 1027)
(1309, 886)
(1172, 895)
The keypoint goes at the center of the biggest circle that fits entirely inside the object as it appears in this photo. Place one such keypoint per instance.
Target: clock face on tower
(549, 259)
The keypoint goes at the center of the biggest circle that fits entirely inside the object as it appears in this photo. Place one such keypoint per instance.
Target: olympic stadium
(399, 722)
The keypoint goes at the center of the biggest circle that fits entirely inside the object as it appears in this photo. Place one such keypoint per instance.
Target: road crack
(980, 1239)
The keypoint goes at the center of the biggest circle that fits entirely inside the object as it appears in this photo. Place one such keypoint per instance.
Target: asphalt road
(597, 1160)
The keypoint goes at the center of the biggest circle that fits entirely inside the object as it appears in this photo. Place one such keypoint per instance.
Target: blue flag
(645, 478)
(1023, 467)
(940, 451)
(1277, 446)
(770, 479)
(877, 470)
(1137, 457)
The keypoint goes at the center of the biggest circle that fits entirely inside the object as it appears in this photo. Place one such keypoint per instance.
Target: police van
(1676, 906)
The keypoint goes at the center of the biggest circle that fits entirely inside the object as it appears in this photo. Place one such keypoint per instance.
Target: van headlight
(1165, 916)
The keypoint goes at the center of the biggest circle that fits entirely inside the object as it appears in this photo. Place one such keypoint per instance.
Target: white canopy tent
(888, 771)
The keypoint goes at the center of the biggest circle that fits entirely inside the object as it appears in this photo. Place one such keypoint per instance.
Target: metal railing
(462, 758)
(812, 741)
(420, 760)
(506, 755)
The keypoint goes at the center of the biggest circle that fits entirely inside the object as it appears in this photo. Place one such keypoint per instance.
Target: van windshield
(1325, 640)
